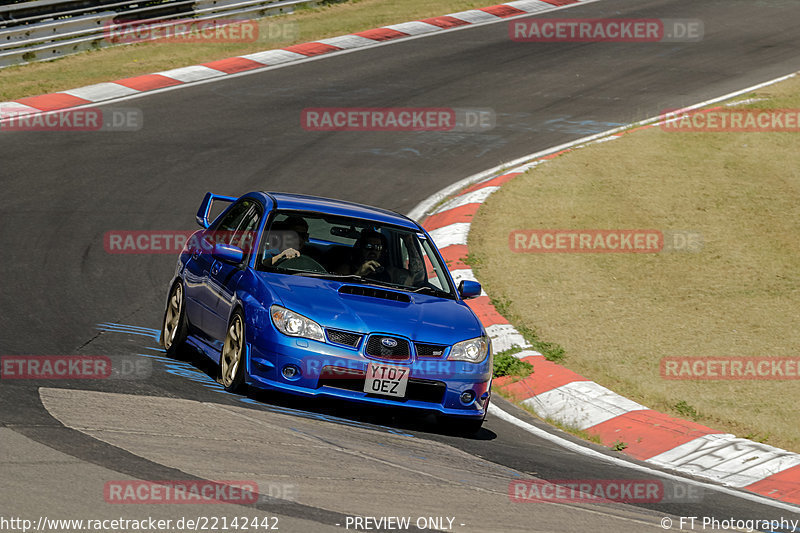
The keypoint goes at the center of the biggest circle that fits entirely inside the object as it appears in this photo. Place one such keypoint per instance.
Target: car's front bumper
(325, 369)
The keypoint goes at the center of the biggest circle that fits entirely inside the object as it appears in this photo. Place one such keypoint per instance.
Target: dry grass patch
(617, 315)
(132, 60)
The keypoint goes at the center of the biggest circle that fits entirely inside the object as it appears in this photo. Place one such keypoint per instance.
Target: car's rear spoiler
(205, 207)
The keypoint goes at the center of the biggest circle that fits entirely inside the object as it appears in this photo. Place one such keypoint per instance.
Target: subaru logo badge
(388, 342)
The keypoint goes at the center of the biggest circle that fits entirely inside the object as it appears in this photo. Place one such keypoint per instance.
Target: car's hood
(425, 318)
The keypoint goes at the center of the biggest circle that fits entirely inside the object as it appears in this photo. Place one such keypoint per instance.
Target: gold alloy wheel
(232, 351)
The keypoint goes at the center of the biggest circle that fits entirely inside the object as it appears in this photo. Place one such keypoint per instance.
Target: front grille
(421, 390)
(429, 350)
(381, 346)
(374, 293)
(343, 337)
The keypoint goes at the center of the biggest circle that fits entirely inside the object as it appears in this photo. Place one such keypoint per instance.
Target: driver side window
(231, 220)
(238, 226)
(245, 234)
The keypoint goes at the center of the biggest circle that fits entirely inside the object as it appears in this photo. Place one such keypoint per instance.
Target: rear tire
(232, 359)
(174, 328)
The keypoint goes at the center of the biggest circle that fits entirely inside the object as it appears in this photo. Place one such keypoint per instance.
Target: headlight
(472, 351)
(294, 324)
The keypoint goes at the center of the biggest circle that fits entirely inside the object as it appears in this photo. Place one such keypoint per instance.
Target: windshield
(314, 244)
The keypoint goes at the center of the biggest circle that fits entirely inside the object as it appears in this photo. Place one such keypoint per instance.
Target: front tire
(232, 359)
(173, 330)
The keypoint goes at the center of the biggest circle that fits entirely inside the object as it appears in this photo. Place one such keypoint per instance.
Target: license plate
(386, 380)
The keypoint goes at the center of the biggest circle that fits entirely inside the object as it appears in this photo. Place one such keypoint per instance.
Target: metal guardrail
(47, 29)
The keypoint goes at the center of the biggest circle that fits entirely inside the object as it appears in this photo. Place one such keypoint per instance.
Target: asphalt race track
(63, 294)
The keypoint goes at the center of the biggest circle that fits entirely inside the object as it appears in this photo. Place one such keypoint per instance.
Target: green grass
(618, 446)
(550, 350)
(686, 410)
(505, 364)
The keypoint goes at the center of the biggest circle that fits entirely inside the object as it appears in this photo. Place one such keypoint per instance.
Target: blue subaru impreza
(322, 297)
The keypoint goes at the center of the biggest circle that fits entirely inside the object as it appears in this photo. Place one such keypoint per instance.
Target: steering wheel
(301, 262)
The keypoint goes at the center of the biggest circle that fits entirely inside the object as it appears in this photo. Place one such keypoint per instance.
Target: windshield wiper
(328, 275)
(364, 280)
(340, 277)
(369, 281)
(433, 291)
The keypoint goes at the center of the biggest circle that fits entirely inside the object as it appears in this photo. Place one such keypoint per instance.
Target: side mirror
(469, 289)
(228, 253)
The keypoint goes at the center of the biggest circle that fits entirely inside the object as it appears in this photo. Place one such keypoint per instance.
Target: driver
(294, 236)
(366, 257)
